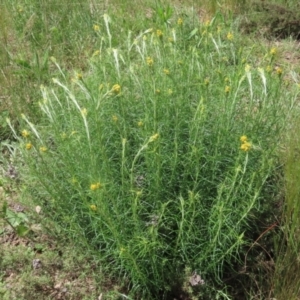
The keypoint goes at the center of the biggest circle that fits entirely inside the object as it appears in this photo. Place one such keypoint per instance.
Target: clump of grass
(158, 157)
(286, 284)
(226, 6)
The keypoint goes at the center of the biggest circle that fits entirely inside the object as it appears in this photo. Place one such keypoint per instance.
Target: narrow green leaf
(4, 210)
(22, 230)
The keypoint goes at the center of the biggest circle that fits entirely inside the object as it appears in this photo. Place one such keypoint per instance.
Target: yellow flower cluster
(28, 146)
(278, 71)
(93, 207)
(245, 146)
(96, 27)
(273, 51)
(149, 61)
(116, 88)
(227, 89)
(43, 149)
(167, 71)
(159, 33)
(95, 186)
(153, 137)
(25, 133)
(230, 36)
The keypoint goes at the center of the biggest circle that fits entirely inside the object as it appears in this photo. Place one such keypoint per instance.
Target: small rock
(36, 263)
(38, 209)
(12, 173)
(196, 279)
(18, 208)
(57, 286)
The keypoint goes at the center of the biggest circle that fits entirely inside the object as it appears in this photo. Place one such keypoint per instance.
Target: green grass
(285, 282)
(153, 142)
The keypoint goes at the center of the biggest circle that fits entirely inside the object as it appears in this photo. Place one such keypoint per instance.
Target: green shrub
(159, 157)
